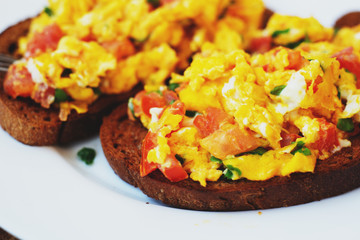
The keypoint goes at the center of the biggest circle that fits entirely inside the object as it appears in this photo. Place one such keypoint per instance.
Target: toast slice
(121, 140)
(31, 124)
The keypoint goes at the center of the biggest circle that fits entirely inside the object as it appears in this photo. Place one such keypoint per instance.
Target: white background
(46, 193)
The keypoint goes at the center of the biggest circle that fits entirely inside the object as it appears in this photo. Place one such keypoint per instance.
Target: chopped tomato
(120, 48)
(328, 139)
(349, 61)
(149, 143)
(230, 139)
(170, 96)
(177, 108)
(172, 169)
(296, 61)
(43, 41)
(211, 121)
(18, 82)
(260, 44)
(144, 101)
(288, 138)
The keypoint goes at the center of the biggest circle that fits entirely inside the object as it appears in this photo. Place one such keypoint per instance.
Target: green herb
(215, 159)
(48, 11)
(87, 155)
(259, 151)
(301, 149)
(277, 90)
(172, 101)
(294, 44)
(180, 158)
(336, 30)
(322, 68)
(97, 91)
(131, 106)
(60, 96)
(307, 39)
(230, 171)
(154, 3)
(190, 114)
(345, 124)
(280, 32)
(339, 94)
(173, 86)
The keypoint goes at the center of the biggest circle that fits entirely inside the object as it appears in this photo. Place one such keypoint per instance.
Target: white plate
(46, 193)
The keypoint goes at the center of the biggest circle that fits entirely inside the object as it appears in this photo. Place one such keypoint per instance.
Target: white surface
(46, 193)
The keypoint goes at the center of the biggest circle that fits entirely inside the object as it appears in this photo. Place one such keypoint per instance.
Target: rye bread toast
(31, 124)
(121, 141)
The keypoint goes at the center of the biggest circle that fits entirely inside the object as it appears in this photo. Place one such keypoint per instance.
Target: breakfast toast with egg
(32, 124)
(122, 139)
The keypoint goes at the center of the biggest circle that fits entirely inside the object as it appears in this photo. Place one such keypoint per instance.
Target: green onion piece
(322, 68)
(277, 90)
(215, 159)
(230, 171)
(180, 158)
(154, 3)
(60, 96)
(172, 101)
(190, 114)
(345, 124)
(294, 44)
(301, 149)
(259, 151)
(305, 151)
(131, 106)
(48, 11)
(339, 94)
(336, 30)
(87, 155)
(280, 32)
(307, 39)
(173, 86)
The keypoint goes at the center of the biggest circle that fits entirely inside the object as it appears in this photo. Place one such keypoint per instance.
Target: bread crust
(121, 140)
(348, 20)
(31, 124)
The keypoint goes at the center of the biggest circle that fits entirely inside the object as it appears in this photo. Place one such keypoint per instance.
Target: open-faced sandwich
(237, 130)
(78, 58)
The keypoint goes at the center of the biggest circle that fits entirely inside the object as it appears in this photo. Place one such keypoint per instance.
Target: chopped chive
(60, 95)
(277, 90)
(180, 158)
(190, 114)
(87, 155)
(172, 101)
(339, 94)
(131, 106)
(259, 151)
(230, 171)
(336, 30)
(48, 11)
(173, 86)
(294, 44)
(280, 32)
(322, 68)
(307, 39)
(301, 149)
(305, 151)
(345, 124)
(215, 159)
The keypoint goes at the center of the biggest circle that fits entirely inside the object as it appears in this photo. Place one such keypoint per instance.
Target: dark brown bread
(31, 124)
(348, 20)
(121, 140)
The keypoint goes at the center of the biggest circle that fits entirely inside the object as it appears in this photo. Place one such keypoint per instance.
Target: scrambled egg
(277, 111)
(113, 45)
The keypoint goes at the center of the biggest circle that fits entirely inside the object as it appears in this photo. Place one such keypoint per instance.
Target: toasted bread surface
(121, 141)
(348, 20)
(31, 124)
